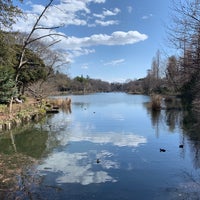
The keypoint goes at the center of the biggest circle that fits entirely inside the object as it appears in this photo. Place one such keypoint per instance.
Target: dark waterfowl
(181, 146)
(98, 161)
(162, 150)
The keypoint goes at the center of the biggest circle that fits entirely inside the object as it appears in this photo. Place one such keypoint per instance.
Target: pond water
(107, 147)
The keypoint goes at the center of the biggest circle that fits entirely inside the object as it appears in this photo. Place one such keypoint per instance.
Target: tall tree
(29, 40)
(185, 34)
(27, 62)
(173, 74)
(152, 82)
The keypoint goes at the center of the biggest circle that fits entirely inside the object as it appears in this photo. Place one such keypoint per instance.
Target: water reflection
(19, 150)
(79, 167)
(67, 109)
(186, 120)
(116, 139)
(124, 137)
(191, 128)
(28, 141)
(63, 131)
(171, 117)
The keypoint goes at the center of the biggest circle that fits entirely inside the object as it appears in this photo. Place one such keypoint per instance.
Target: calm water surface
(125, 137)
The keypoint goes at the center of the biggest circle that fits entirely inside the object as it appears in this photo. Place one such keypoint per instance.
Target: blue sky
(112, 40)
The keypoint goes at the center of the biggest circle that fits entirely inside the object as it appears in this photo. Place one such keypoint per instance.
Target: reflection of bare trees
(191, 127)
(173, 118)
(173, 112)
(195, 150)
(170, 114)
(156, 119)
(186, 120)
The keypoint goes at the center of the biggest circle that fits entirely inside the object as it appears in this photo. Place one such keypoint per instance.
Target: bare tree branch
(30, 40)
(45, 36)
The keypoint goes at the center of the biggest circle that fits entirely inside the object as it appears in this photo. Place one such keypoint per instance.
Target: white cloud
(64, 13)
(69, 12)
(104, 14)
(81, 51)
(107, 13)
(101, 16)
(106, 23)
(116, 38)
(72, 54)
(147, 16)
(80, 46)
(36, 8)
(110, 12)
(115, 62)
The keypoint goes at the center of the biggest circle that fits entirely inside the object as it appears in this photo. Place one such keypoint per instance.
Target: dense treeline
(79, 84)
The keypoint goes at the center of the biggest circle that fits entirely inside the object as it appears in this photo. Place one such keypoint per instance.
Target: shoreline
(30, 111)
(23, 113)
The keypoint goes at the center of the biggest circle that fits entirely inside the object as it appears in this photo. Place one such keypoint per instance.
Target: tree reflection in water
(189, 122)
(18, 154)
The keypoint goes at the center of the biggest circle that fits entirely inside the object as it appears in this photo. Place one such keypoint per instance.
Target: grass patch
(156, 101)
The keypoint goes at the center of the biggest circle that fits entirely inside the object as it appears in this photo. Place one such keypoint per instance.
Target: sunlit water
(108, 148)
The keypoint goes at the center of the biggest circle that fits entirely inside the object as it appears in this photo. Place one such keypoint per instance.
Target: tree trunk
(11, 105)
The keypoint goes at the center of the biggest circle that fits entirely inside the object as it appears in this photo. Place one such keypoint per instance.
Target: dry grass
(28, 106)
(60, 102)
(156, 102)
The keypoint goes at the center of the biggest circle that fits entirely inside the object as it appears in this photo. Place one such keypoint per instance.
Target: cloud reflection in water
(81, 167)
(80, 133)
(117, 139)
(76, 168)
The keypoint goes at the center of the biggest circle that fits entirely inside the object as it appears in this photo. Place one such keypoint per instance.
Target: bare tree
(31, 39)
(173, 74)
(152, 81)
(185, 35)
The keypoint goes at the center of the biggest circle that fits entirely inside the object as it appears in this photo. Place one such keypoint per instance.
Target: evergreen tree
(7, 85)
